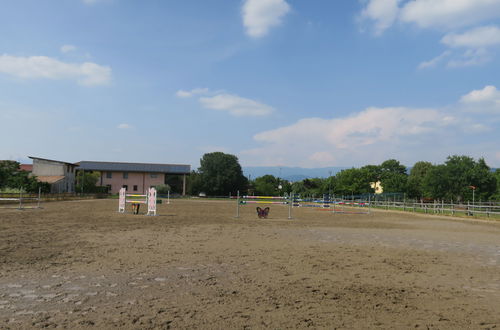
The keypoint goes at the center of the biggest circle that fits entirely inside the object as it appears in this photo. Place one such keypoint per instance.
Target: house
(377, 187)
(137, 177)
(60, 175)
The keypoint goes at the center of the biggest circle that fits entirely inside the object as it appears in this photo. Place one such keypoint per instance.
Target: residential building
(137, 177)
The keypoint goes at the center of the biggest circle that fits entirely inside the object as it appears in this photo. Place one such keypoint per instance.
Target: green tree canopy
(221, 174)
(456, 177)
(352, 181)
(393, 176)
(266, 185)
(416, 179)
(12, 177)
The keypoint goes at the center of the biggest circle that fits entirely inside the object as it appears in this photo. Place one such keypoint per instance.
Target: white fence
(440, 207)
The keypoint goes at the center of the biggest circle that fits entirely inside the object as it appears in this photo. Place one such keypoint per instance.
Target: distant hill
(290, 173)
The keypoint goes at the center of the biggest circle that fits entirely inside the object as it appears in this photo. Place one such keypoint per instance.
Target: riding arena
(199, 263)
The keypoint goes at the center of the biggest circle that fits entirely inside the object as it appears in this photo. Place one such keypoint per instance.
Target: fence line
(440, 207)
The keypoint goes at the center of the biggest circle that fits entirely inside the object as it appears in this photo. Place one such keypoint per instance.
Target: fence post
(290, 204)
(238, 204)
(39, 193)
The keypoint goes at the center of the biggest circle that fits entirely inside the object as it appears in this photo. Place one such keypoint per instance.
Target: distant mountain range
(290, 173)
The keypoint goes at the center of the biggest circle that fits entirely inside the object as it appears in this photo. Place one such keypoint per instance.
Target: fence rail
(483, 209)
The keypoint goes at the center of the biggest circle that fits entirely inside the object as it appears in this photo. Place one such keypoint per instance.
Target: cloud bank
(43, 67)
(377, 134)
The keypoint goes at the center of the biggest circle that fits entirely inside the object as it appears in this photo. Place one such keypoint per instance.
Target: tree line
(456, 179)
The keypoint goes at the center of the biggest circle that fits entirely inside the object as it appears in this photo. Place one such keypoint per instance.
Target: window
(135, 187)
(153, 175)
(109, 175)
(125, 186)
(125, 175)
(109, 187)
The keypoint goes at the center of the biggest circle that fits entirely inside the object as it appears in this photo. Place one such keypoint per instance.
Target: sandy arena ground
(83, 265)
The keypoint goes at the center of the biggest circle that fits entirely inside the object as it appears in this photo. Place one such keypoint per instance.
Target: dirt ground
(81, 264)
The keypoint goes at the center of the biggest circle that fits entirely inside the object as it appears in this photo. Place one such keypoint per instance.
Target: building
(137, 177)
(377, 187)
(60, 175)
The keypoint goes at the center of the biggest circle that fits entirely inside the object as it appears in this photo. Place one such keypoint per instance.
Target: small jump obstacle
(20, 202)
(274, 200)
(334, 205)
(135, 199)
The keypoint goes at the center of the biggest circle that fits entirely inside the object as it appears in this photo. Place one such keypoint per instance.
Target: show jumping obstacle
(149, 199)
(244, 200)
(334, 205)
(21, 199)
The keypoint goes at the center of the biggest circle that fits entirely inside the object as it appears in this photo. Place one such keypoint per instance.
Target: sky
(275, 82)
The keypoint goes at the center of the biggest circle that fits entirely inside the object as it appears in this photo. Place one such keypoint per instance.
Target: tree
(89, 182)
(454, 179)
(496, 195)
(267, 185)
(416, 179)
(393, 176)
(12, 177)
(221, 174)
(352, 181)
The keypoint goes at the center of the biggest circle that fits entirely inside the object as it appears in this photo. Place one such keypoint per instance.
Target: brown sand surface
(81, 264)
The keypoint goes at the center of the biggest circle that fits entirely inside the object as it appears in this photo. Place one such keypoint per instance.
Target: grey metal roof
(134, 167)
(51, 160)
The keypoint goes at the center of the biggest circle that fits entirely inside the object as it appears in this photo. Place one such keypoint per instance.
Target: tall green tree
(12, 177)
(393, 176)
(221, 174)
(456, 177)
(353, 181)
(496, 195)
(418, 172)
(267, 185)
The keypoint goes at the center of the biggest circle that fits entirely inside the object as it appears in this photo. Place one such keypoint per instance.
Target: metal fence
(485, 209)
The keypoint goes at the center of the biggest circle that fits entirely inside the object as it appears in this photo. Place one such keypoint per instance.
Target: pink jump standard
(149, 199)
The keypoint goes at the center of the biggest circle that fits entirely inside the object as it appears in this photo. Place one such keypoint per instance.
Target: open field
(81, 264)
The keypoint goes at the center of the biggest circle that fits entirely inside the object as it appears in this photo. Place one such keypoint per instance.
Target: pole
(168, 196)
(290, 203)
(20, 198)
(39, 194)
(473, 204)
(238, 204)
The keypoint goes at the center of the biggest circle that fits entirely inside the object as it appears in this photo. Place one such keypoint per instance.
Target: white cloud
(124, 126)
(260, 15)
(68, 48)
(435, 61)
(471, 57)
(382, 12)
(480, 37)
(449, 14)
(36, 67)
(375, 134)
(486, 100)
(236, 105)
(187, 94)
(365, 128)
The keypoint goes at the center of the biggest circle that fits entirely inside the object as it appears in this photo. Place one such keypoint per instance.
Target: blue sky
(276, 82)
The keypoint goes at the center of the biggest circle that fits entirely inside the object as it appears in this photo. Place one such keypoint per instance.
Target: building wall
(48, 168)
(142, 180)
